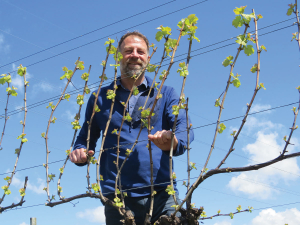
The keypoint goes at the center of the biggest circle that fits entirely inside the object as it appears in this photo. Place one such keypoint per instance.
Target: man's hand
(79, 155)
(162, 139)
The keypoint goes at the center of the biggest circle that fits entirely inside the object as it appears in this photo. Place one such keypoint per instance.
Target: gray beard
(130, 72)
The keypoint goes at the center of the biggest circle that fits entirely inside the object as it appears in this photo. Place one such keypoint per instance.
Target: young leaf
(135, 90)
(110, 94)
(217, 102)
(170, 190)
(22, 70)
(80, 99)
(227, 61)
(128, 151)
(221, 128)
(254, 68)
(22, 192)
(85, 76)
(249, 50)
(80, 65)
(237, 22)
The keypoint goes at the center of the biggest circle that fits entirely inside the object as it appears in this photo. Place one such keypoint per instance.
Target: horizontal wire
(77, 91)
(91, 42)
(80, 36)
(175, 132)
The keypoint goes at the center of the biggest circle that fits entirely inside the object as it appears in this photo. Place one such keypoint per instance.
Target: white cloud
(45, 87)
(270, 217)
(258, 184)
(24, 223)
(38, 189)
(69, 115)
(3, 47)
(223, 223)
(93, 215)
(258, 108)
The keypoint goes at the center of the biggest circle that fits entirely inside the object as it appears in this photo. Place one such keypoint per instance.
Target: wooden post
(32, 221)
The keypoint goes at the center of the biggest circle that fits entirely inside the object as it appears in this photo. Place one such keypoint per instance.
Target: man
(135, 177)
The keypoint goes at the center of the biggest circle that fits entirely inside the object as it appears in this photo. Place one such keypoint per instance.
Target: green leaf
(175, 110)
(294, 36)
(250, 209)
(217, 102)
(151, 68)
(92, 160)
(59, 188)
(290, 10)
(67, 97)
(61, 170)
(68, 152)
(227, 61)
(79, 99)
(87, 90)
(239, 208)
(135, 90)
(233, 133)
(237, 22)
(183, 70)
(110, 94)
(80, 65)
(6, 190)
(259, 16)
(53, 119)
(110, 41)
(174, 175)
(17, 150)
(221, 128)
(163, 32)
(128, 151)
(50, 105)
(262, 47)
(97, 109)
(128, 118)
(51, 177)
(261, 85)
(241, 39)
(193, 166)
(85, 76)
(5, 79)
(170, 190)
(249, 50)
(239, 11)
(22, 192)
(254, 68)
(75, 125)
(115, 131)
(163, 74)
(247, 17)
(231, 215)
(95, 187)
(236, 83)
(12, 91)
(22, 70)
(7, 178)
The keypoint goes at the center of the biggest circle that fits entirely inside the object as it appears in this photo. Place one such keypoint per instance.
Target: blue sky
(29, 27)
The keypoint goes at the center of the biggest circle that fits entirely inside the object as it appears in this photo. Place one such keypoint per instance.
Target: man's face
(135, 56)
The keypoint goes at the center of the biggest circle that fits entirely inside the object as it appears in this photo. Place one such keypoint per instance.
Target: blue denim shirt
(135, 177)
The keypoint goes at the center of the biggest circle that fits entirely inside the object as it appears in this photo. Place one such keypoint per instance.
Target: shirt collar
(144, 83)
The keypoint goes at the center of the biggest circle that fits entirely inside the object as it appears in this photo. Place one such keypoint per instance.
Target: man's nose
(134, 54)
